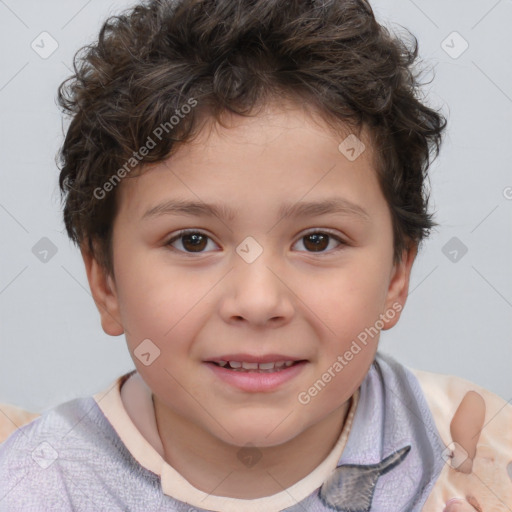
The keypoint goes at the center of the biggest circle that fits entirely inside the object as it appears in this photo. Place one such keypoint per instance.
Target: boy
(246, 183)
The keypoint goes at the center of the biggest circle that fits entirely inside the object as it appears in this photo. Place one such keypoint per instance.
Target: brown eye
(195, 242)
(319, 241)
(191, 241)
(316, 241)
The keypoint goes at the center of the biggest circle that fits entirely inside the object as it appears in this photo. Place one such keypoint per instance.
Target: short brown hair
(233, 56)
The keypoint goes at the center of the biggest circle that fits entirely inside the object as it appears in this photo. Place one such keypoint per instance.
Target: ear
(398, 288)
(104, 293)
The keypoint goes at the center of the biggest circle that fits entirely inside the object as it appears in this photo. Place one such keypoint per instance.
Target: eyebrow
(332, 205)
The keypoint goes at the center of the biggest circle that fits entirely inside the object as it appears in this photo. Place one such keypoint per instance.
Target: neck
(221, 469)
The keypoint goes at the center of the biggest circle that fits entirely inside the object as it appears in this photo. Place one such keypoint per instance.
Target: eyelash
(184, 232)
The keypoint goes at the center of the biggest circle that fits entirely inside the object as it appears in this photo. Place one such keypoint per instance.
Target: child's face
(203, 299)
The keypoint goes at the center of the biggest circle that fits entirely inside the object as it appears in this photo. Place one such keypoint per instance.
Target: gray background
(458, 316)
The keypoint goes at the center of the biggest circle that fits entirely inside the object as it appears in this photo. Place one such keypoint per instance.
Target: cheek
(337, 382)
(346, 311)
(166, 306)
(346, 299)
(152, 297)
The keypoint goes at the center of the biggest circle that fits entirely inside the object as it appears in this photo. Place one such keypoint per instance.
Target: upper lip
(248, 358)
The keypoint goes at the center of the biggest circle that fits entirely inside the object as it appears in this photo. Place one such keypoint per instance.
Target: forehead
(281, 155)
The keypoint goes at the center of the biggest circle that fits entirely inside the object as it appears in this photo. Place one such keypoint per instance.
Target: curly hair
(235, 56)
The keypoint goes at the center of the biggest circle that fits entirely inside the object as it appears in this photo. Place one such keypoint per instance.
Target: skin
(290, 300)
(465, 428)
(461, 505)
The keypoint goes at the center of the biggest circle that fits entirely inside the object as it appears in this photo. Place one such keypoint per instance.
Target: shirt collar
(128, 406)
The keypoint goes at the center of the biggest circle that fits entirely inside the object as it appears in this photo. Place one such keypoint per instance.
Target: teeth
(267, 366)
(241, 365)
(250, 366)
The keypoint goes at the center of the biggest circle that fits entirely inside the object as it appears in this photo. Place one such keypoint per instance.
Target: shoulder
(39, 459)
(60, 427)
(72, 458)
(78, 422)
(488, 480)
(67, 421)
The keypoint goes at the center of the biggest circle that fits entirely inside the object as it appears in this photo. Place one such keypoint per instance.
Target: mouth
(256, 367)
(256, 373)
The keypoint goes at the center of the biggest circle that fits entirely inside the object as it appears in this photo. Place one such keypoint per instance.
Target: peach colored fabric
(11, 418)
(490, 482)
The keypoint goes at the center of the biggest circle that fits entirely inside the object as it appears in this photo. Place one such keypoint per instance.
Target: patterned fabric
(351, 487)
(72, 459)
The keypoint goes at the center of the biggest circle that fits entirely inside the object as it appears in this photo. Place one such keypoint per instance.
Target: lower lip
(256, 382)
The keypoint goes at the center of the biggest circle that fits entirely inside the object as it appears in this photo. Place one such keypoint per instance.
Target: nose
(257, 294)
